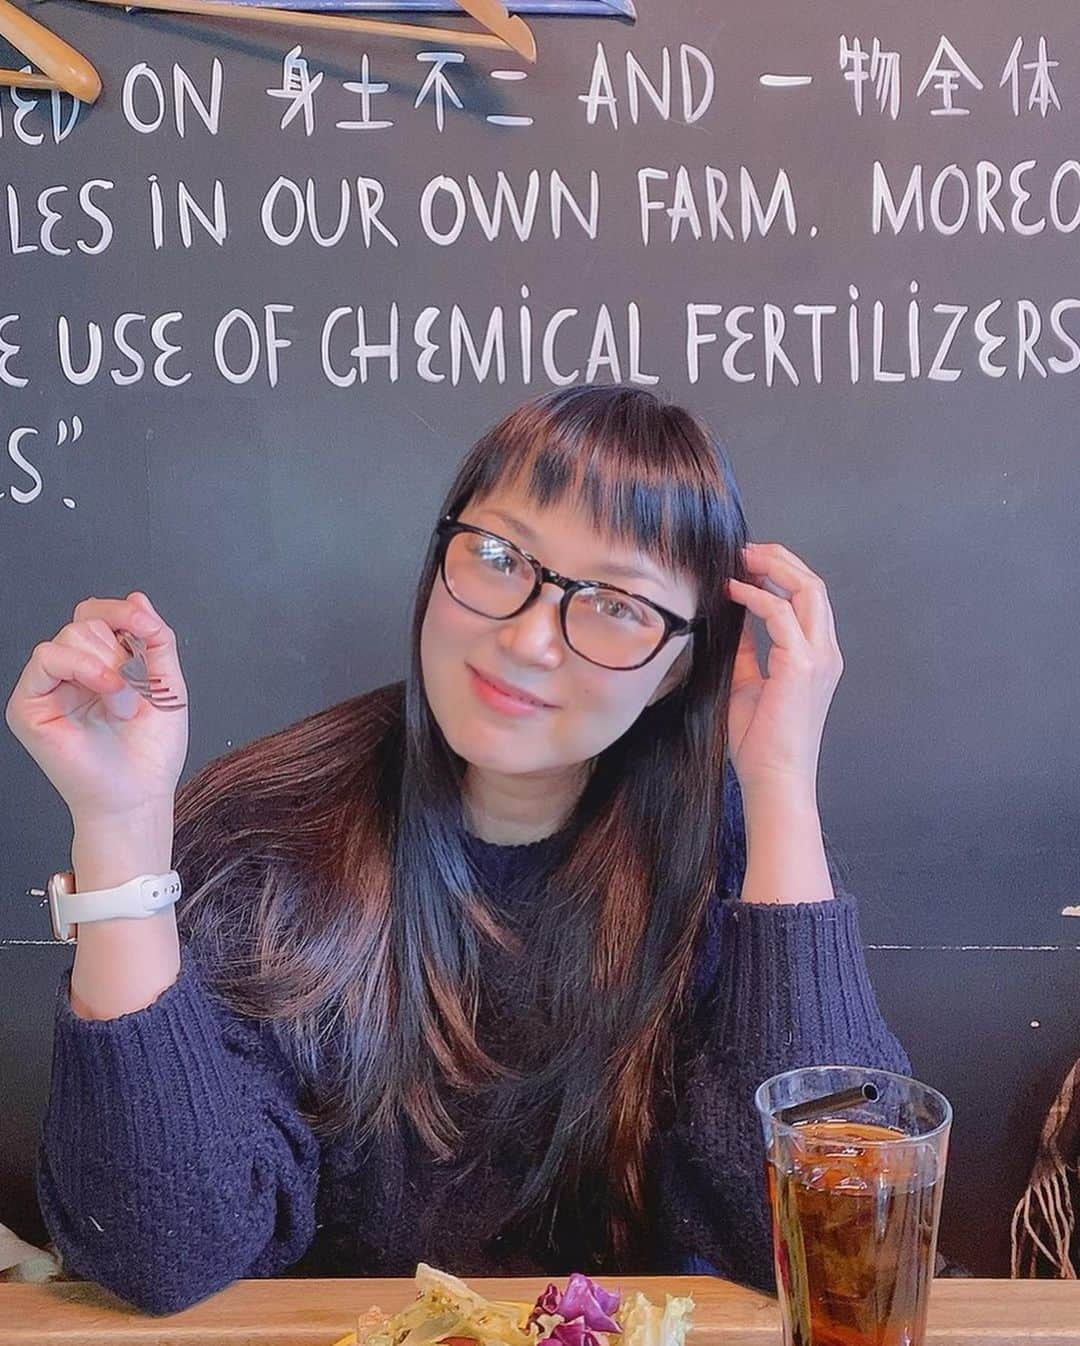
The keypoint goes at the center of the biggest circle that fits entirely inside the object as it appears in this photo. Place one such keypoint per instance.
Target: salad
(583, 1313)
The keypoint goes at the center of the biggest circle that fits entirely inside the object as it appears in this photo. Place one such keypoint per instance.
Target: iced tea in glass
(855, 1197)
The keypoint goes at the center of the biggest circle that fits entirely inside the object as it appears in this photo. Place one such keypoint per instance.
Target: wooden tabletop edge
(315, 1312)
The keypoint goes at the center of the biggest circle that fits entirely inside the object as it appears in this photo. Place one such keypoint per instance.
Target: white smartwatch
(145, 895)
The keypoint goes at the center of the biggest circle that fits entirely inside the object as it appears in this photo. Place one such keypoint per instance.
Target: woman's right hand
(108, 752)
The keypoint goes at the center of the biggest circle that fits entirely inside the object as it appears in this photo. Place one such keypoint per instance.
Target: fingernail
(124, 703)
(145, 624)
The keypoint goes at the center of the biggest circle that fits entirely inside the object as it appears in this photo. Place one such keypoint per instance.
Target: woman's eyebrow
(514, 523)
(619, 568)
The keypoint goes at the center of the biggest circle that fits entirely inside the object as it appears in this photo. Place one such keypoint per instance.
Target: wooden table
(319, 1312)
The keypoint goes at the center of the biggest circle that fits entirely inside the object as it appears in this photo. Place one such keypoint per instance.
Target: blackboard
(714, 200)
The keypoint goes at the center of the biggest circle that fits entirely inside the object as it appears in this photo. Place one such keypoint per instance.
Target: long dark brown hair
(329, 888)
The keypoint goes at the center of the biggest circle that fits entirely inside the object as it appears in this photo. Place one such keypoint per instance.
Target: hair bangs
(646, 475)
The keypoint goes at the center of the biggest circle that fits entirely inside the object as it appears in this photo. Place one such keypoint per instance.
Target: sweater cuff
(152, 1082)
(793, 982)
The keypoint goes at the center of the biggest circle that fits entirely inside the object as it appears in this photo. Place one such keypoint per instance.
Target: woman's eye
(498, 558)
(609, 606)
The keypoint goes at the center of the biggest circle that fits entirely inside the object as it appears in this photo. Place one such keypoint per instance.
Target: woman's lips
(500, 696)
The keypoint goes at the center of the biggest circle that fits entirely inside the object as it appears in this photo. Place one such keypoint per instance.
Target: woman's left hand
(775, 723)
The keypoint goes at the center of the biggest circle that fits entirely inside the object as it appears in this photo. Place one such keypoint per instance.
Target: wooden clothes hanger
(502, 30)
(65, 68)
(62, 66)
(513, 32)
(493, 15)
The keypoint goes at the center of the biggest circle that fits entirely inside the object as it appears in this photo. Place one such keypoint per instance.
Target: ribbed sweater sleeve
(779, 986)
(173, 1157)
(792, 989)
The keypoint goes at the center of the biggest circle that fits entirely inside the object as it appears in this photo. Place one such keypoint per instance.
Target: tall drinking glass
(855, 1193)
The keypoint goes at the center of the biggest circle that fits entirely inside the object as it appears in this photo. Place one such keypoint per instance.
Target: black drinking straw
(819, 1107)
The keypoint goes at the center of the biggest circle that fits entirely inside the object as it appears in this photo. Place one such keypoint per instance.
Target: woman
(483, 968)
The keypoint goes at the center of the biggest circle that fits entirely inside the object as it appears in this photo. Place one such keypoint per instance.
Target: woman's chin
(493, 748)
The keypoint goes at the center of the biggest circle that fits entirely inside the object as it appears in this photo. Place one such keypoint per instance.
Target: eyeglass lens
(603, 625)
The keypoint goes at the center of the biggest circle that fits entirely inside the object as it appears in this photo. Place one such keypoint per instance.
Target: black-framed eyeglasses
(602, 623)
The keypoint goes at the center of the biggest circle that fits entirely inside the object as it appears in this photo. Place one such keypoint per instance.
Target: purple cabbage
(585, 1308)
(547, 1303)
(573, 1334)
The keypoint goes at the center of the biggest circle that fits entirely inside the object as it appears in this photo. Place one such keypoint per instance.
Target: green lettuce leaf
(647, 1324)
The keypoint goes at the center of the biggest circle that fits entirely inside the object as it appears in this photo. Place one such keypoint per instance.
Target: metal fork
(152, 687)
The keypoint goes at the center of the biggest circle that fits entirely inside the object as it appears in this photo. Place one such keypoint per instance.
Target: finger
(747, 667)
(142, 601)
(50, 664)
(762, 549)
(121, 614)
(95, 636)
(781, 621)
(797, 560)
(160, 640)
(806, 591)
(136, 613)
(120, 699)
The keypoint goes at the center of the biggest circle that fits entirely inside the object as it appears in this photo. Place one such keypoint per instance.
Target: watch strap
(143, 896)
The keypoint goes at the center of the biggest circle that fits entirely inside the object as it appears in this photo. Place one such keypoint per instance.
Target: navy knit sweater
(174, 1158)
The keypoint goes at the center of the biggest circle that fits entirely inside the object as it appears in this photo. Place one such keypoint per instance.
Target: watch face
(61, 884)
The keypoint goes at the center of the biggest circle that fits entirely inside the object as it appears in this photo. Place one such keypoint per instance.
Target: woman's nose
(535, 635)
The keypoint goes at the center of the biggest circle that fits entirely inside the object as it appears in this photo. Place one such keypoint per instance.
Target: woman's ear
(676, 674)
